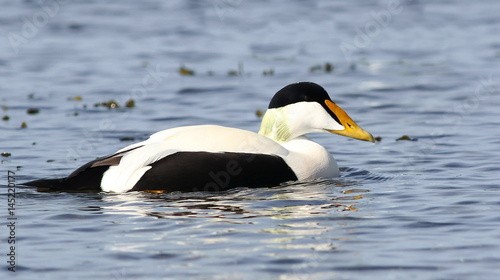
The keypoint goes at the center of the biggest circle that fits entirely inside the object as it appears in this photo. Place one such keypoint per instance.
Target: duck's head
(305, 107)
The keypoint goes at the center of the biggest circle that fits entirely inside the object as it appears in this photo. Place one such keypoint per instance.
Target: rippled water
(421, 209)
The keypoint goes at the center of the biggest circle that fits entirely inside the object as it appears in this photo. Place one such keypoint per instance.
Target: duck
(218, 158)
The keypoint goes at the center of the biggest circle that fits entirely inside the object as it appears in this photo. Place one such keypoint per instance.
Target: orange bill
(351, 129)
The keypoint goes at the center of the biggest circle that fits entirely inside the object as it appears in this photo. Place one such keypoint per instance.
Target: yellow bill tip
(356, 133)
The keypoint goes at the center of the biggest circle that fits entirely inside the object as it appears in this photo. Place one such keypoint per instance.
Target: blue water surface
(423, 208)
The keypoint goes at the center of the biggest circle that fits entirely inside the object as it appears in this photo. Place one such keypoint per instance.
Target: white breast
(310, 160)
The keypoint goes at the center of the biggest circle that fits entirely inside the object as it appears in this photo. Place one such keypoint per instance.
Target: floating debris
(32, 111)
(407, 138)
(76, 98)
(232, 73)
(75, 26)
(185, 71)
(259, 113)
(328, 67)
(112, 104)
(51, 160)
(5, 118)
(269, 72)
(5, 108)
(5, 154)
(130, 103)
(238, 72)
(24, 125)
(315, 68)
(127, 139)
(378, 138)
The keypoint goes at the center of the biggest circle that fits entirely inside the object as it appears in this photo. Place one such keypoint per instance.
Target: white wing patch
(133, 165)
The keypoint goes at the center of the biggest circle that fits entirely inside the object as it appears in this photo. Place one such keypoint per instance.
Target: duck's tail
(57, 184)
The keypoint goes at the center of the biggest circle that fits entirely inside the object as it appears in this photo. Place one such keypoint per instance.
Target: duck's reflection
(293, 201)
(292, 222)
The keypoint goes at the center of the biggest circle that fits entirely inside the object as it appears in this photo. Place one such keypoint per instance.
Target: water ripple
(425, 209)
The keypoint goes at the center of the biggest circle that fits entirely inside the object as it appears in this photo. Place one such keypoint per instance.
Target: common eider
(216, 158)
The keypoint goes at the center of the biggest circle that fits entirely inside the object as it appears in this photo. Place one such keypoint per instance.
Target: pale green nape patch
(275, 125)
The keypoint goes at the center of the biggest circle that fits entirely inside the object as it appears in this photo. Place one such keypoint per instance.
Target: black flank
(205, 171)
